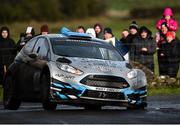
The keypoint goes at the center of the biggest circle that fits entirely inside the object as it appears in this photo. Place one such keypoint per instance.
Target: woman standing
(7, 51)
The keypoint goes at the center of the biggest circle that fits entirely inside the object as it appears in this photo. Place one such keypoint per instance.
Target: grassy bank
(164, 91)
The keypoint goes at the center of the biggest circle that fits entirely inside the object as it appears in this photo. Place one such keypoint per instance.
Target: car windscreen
(85, 49)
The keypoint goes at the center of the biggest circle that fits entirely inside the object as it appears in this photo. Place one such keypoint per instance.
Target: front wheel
(45, 84)
(10, 100)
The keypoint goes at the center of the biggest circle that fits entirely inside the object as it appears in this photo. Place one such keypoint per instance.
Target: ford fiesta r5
(73, 68)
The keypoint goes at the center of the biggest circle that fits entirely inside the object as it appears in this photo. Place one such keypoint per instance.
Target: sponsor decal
(104, 68)
(65, 76)
(107, 89)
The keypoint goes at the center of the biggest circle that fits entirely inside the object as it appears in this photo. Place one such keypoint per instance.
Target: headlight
(70, 69)
(132, 74)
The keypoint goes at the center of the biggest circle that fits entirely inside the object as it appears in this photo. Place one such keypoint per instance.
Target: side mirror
(33, 55)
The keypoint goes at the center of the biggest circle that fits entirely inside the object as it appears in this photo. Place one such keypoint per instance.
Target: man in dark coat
(133, 33)
(170, 54)
(7, 51)
(144, 48)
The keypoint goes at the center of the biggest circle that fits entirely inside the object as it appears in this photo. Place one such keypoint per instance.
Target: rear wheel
(45, 84)
(10, 100)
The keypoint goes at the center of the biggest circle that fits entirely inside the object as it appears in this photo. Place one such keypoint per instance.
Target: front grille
(104, 81)
(104, 95)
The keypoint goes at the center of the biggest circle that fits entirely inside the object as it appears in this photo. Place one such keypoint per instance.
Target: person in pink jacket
(168, 18)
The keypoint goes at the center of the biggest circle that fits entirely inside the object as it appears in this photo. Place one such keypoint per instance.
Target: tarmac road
(161, 109)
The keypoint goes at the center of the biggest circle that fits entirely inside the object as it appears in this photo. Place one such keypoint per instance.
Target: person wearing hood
(7, 51)
(168, 18)
(145, 47)
(25, 37)
(99, 30)
(109, 37)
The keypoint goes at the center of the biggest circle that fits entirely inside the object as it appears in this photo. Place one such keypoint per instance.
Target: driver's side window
(27, 49)
(41, 48)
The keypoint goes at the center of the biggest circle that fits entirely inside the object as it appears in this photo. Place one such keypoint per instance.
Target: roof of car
(67, 34)
(75, 38)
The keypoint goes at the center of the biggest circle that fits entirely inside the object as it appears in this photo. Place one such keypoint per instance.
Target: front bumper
(67, 93)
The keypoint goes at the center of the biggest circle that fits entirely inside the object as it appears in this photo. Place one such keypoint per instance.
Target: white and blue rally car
(73, 68)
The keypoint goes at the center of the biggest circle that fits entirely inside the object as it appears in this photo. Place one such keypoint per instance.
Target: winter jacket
(7, 52)
(172, 24)
(143, 57)
(169, 58)
(129, 40)
(100, 35)
(136, 52)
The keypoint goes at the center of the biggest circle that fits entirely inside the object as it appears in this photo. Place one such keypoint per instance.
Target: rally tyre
(92, 107)
(45, 84)
(10, 100)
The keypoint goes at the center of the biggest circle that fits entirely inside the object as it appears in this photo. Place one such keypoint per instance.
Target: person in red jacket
(168, 18)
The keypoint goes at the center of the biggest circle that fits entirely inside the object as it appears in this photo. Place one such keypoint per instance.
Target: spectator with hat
(133, 33)
(172, 24)
(169, 55)
(44, 29)
(109, 37)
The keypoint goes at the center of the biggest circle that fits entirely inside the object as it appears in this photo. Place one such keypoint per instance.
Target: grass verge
(164, 91)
